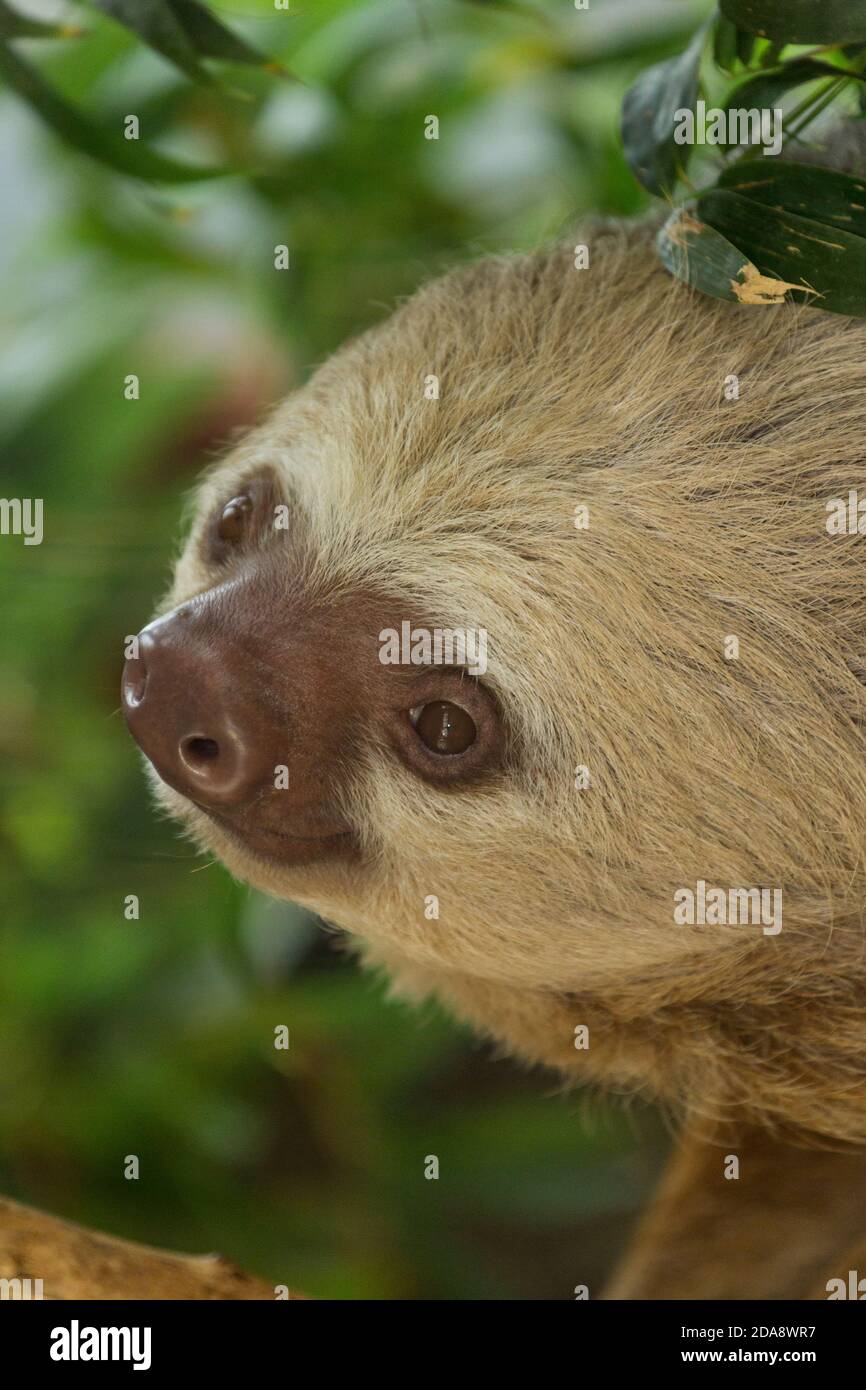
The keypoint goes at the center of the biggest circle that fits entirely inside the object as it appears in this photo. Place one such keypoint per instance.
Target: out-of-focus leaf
(824, 261)
(649, 117)
(18, 26)
(185, 31)
(126, 156)
(733, 46)
(701, 257)
(802, 189)
(214, 40)
(770, 54)
(745, 44)
(799, 21)
(725, 44)
(156, 23)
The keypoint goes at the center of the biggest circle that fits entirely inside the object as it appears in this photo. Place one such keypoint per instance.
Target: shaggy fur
(604, 388)
(707, 518)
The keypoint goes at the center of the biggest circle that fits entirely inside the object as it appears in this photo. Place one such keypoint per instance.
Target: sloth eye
(234, 519)
(243, 523)
(450, 730)
(443, 727)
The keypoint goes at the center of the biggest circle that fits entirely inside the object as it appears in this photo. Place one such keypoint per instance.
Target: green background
(155, 1037)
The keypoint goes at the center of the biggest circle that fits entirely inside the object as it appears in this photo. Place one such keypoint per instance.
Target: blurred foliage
(155, 1037)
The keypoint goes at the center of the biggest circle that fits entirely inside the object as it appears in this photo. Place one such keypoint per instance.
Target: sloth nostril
(199, 752)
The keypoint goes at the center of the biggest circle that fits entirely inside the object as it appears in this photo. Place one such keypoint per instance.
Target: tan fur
(766, 1234)
(707, 518)
(604, 387)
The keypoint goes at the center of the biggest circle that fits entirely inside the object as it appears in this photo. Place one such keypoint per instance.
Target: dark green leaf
(745, 44)
(724, 44)
(799, 21)
(649, 117)
(212, 39)
(127, 156)
(807, 190)
(156, 23)
(184, 32)
(701, 257)
(801, 251)
(765, 88)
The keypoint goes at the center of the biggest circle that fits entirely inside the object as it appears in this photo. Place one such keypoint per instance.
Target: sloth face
(448, 652)
(362, 690)
(257, 699)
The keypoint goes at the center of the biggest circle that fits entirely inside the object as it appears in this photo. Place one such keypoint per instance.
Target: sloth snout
(179, 708)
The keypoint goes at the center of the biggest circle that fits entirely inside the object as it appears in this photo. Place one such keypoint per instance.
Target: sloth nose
(177, 704)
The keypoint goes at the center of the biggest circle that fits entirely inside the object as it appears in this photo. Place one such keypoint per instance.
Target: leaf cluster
(767, 227)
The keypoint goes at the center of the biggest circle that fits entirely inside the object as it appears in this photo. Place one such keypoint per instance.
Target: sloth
(626, 487)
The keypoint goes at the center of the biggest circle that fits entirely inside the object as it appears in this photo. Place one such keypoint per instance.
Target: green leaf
(807, 190)
(701, 257)
(745, 45)
(184, 32)
(126, 156)
(799, 21)
(213, 40)
(735, 48)
(649, 117)
(156, 23)
(765, 88)
(827, 263)
(725, 44)
(769, 56)
(17, 26)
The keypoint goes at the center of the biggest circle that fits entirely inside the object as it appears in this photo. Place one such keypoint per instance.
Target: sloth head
(445, 657)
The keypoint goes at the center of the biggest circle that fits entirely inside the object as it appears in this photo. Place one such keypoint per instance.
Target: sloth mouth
(278, 847)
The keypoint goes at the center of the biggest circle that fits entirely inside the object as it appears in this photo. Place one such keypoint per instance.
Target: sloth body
(626, 749)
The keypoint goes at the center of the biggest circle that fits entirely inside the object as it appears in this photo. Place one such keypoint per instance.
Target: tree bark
(75, 1263)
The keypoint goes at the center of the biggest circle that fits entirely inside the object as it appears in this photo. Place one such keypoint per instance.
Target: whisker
(210, 864)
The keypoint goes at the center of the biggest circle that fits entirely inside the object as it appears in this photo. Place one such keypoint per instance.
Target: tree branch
(73, 1262)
